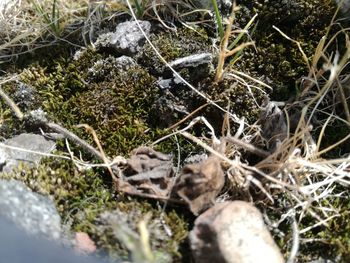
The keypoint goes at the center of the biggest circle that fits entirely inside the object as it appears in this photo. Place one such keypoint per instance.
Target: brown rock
(233, 232)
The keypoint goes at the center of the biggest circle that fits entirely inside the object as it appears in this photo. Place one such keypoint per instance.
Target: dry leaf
(149, 171)
(200, 184)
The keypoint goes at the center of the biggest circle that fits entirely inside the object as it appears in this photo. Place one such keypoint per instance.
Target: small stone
(344, 9)
(83, 244)
(11, 158)
(127, 39)
(103, 67)
(31, 212)
(233, 232)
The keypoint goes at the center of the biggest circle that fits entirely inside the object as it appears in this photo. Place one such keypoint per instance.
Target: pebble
(127, 38)
(31, 212)
(233, 232)
(11, 158)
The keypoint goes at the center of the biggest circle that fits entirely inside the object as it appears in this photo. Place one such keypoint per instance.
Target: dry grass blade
(225, 51)
(103, 155)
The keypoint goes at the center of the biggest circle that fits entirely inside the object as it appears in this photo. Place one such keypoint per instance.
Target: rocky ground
(148, 134)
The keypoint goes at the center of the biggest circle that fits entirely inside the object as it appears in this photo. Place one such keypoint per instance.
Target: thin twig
(99, 146)
(68, 134)
(187, 117)
(249, 147)
(296, 241)
(11, 104)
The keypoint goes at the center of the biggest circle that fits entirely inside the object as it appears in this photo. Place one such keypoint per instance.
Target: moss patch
(276, 58)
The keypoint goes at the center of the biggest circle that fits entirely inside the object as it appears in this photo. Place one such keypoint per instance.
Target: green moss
(118, 109)
(171, 46)
(277, 59)
(116, 104)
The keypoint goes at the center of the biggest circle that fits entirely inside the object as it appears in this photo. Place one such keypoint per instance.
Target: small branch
(249, 147)
(12, 105)
(344, 101)
(68, 134)
(102, 153)
(187, 117)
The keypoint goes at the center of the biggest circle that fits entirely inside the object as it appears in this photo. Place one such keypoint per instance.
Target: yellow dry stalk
(225, 50)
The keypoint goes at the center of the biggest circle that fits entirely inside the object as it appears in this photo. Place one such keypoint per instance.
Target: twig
(11, 104)
(247, 146)
(296, 241)
(97, 141)
(68, 134)
(344, 101)
(187, 117)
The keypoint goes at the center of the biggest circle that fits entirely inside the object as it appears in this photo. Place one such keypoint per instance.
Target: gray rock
(103, 67)
(10, 158)
(233, 232)
(344, 9)
(165, 83)
(127, 39)
(31, 212)
(17, 247)
(24, 96)
(199, 66)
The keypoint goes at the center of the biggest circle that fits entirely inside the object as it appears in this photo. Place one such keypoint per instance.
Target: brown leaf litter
(151, 174)
(199, 184)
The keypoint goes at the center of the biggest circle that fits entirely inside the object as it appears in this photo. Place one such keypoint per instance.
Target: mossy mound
(117, 109)
(115, 103)
(173, 45)
(277, 59)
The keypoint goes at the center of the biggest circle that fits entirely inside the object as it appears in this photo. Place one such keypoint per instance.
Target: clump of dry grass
(27, 25)
(297, 169)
